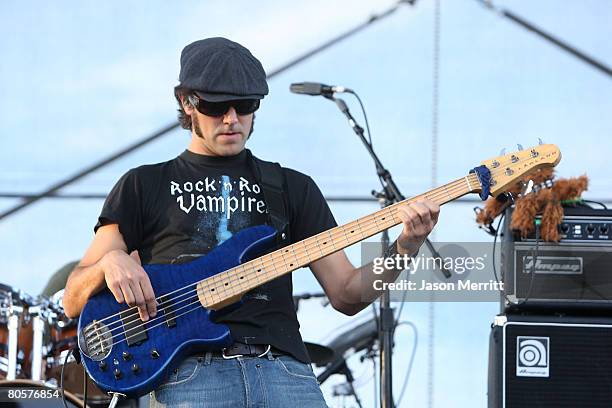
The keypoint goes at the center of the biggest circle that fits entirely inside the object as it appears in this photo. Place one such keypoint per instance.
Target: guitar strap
(271, 178)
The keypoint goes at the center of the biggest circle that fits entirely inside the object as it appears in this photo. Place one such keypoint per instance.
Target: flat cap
(218, 69)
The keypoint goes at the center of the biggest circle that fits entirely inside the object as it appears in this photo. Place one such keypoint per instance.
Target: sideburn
(197, 129)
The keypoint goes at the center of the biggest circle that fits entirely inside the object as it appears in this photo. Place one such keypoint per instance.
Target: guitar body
(182, 325)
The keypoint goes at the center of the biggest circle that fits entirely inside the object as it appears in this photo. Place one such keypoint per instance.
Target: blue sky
(80, 81)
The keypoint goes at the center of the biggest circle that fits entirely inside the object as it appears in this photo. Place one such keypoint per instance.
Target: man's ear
(187, 106)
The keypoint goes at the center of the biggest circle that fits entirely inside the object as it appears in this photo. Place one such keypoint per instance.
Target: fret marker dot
(226, 284)
(212, 290)
(352, 232)
(259, 270)
(242, 277)
(290, 264)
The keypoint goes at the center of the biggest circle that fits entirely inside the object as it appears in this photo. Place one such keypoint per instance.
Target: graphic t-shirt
(175, 211)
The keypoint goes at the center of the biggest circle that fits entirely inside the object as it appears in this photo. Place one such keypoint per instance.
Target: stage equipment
(315, 88)
(351, 341)
(15, 333)
(570, 275)
(550, 362)
(387, 197)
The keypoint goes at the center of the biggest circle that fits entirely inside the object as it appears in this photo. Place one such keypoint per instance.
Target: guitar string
(371, 228)
(199, 291)
(296, 257)
(332, 234)
(317, 245)
(274, 262)
(369, 218)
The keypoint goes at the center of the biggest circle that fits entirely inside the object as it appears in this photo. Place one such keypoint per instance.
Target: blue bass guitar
(124, 355)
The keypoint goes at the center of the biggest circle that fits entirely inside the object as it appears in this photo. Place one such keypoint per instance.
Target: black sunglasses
(217, 109)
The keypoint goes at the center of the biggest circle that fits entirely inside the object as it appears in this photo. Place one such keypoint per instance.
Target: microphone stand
(388, 196)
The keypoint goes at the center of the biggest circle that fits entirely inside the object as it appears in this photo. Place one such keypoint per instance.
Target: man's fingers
(434, 209)
(128, 296)
(115, 289)
(140, 301)
(407, 214)
(149, 297)
(423, 211)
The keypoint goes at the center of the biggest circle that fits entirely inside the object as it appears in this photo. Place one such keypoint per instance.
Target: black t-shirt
(175, 211)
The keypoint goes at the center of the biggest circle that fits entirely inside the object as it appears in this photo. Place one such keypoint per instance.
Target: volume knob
(117, 373)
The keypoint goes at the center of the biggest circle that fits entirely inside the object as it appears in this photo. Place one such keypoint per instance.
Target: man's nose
(230, 116)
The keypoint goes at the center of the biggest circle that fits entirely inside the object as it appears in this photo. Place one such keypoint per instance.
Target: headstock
(507, 169)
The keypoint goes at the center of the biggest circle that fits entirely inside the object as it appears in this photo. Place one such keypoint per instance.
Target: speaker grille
(579, 366)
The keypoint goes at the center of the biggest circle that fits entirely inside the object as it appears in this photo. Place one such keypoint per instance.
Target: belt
(248, 350)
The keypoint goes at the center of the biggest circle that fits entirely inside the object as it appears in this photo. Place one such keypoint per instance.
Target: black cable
(365, 117)
(596, 202)
(62, 378)
(534, 257)
(497, 279)
(85, 377)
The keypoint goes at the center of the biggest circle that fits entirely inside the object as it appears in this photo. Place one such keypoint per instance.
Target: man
(177, 210)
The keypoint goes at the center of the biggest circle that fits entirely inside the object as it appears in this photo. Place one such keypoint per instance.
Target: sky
(80, 81)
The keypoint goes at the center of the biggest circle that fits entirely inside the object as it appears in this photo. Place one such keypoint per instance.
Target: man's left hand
(418, 219)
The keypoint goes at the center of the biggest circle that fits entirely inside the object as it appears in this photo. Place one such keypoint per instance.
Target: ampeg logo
(553, 264)
(532, 356)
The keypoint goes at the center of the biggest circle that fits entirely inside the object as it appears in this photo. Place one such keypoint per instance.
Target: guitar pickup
(169, 315)
(133, 328)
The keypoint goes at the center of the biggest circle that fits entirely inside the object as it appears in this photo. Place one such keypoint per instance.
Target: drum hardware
(13, 329)
(12, 308)
(39, 316)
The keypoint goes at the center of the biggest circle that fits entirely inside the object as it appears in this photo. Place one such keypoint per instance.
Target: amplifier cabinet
(575, 273)
(541, 362)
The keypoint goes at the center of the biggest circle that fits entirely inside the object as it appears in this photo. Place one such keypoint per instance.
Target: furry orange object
(545, 201)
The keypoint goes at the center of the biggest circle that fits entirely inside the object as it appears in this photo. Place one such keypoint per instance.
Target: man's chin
(230, 149)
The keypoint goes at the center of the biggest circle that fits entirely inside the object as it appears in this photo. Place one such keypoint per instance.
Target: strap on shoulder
(270, 176)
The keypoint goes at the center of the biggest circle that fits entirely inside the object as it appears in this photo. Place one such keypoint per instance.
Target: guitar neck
(239, 280)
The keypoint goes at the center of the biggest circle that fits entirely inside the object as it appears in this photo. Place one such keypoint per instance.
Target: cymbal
(319, 355)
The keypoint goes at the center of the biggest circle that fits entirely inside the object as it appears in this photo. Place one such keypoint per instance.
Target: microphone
(315, 88)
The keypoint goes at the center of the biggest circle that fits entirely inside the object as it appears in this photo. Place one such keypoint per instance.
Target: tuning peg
(520, 147)
(540, 141)
(502, 152)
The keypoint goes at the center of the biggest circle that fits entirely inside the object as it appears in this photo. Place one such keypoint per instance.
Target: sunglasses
(218, 109)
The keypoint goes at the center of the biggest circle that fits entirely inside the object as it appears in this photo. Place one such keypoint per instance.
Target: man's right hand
(129, 282)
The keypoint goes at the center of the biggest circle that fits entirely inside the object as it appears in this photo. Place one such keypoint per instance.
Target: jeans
(265, 382)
